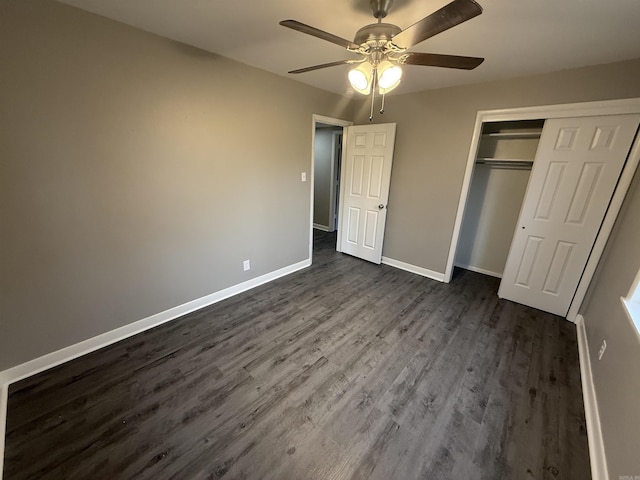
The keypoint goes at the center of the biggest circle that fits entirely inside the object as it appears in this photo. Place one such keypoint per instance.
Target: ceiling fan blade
(438, 60)
(450, 15)
(329, 37)
(325, 65)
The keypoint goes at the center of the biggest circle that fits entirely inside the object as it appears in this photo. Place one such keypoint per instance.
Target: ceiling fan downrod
(380, 8)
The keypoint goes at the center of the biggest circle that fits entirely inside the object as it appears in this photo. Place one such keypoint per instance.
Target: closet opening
(504, 158)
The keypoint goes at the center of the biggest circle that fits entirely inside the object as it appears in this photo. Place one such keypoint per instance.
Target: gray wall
(433, 139)
(616, 376)
(322, 176)
(136, 174)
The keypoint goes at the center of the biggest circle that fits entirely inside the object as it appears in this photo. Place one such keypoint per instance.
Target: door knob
(380, 207)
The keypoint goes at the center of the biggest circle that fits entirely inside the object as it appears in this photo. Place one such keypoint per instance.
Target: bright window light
(632, 303)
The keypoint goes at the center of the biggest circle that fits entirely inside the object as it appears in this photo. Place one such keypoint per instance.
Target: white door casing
(334, 182)
(315, 120)
(574, 175)
(364, 192)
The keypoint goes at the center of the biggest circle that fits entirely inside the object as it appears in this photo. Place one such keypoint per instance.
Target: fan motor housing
(376, 31)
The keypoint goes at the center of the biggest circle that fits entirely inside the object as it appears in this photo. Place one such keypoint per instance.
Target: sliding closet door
(573, 179)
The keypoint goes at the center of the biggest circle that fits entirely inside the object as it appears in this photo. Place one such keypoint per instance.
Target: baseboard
(594, 433)
(413, 269)
(479, 270)
(66, 354)
(50, 360)
(324, 228)
(4, 397)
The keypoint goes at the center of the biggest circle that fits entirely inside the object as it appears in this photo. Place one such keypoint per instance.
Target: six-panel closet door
(574, 175)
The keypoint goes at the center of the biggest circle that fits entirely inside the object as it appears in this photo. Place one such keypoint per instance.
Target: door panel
(356, 176)
(572, 181)
(529, 257)
(550, 190)
(366, 168)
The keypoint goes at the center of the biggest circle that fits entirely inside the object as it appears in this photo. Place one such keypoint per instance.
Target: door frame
(587, 109)
(335, 162)
(315, 119)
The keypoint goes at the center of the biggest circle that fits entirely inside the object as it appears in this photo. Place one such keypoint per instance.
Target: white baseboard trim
(597, 453)
(479, 270)
(4, 397)
(324, 228)
(71, 352)
(53, 359)
(413, 269)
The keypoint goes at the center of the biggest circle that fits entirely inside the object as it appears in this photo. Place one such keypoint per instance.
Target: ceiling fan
(383, 46)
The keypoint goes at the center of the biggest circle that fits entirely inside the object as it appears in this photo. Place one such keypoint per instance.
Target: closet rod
(521, 164)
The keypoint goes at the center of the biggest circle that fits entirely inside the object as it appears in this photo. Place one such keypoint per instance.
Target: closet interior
(505, 155)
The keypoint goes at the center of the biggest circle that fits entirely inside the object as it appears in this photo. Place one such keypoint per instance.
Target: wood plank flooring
(345, 370)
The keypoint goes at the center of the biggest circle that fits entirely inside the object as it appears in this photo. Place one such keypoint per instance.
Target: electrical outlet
(246, 265)
(602, 349)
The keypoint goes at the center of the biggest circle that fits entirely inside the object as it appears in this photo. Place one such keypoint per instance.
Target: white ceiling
(516, 37)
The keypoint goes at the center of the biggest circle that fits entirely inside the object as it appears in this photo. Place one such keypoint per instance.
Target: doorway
(326, 176)
(506, 151)
(326, 156)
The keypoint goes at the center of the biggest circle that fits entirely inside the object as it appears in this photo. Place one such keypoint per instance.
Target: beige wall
(136, 174)
(433, 139)
(616, 376)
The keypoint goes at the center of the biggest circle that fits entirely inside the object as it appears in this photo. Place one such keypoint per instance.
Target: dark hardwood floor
(345, 370)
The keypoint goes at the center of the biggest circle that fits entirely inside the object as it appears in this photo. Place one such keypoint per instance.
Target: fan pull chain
(382, 106)
(371, 113)
(373, 94)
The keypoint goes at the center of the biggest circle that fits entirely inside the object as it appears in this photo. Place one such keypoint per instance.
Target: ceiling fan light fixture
(383, 47)
(389, 76)
(361, 78)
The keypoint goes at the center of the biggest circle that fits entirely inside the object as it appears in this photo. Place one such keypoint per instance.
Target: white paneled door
(572, 181)
(366, 174)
